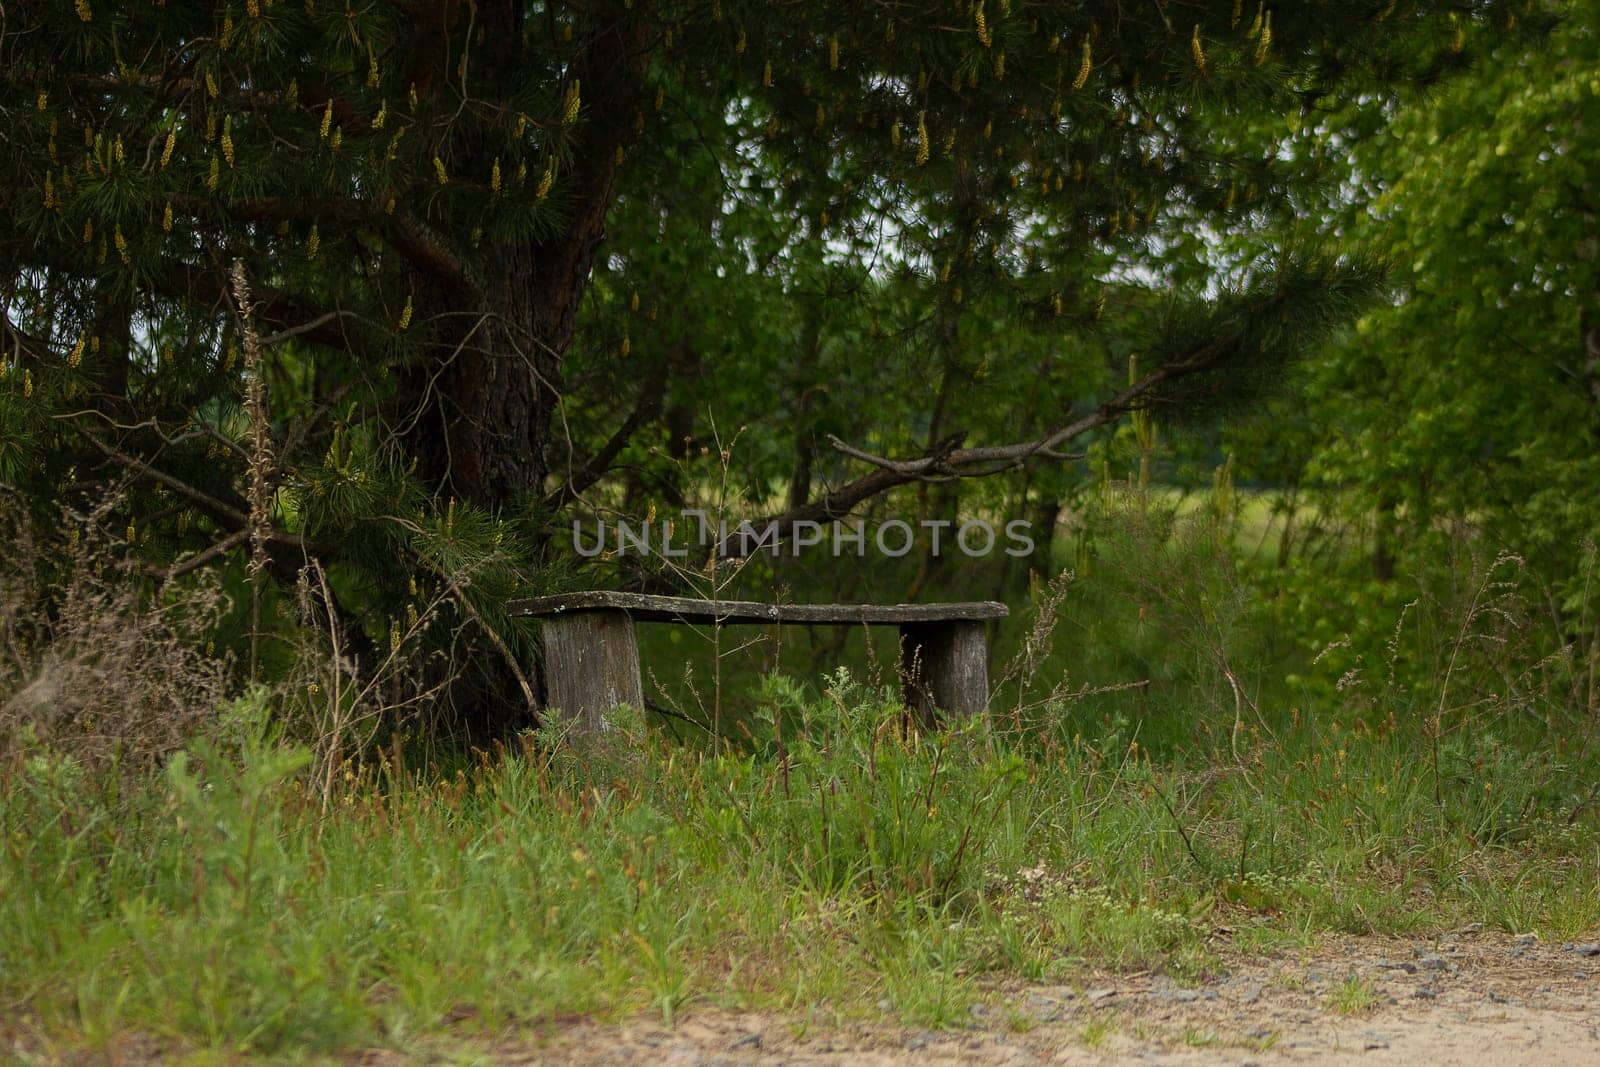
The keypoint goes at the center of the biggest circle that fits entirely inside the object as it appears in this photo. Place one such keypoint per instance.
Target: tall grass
(217, 906)
(1158, 776)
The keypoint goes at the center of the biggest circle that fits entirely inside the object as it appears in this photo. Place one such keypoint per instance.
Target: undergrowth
(264, 888)
(218, 906)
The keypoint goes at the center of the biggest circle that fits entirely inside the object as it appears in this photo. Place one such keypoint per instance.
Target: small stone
(1525, 940)
(978, 1011)
(750, 1040)
(1045, 1009)
(922, 1040)
(884, 1005)
(1580, 976)
(1432, 961)
(1095, 996)
(1184, 996)
(1588, 948)
(1374, 1040)
(1425, 994)
(1251, 994)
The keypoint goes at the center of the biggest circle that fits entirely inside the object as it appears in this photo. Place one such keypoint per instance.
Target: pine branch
(19, 342)
(406, 234)
(207, 287)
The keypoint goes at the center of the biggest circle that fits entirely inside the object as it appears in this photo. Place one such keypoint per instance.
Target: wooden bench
(591, 655)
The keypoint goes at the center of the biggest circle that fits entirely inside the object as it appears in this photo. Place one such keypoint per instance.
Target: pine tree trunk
(1045, 518)
(477, 406)
(1383, 540)
(480, 404)
(1589, 308)
(484, 396)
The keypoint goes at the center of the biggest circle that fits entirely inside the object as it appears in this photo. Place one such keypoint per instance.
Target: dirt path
(1466, 999)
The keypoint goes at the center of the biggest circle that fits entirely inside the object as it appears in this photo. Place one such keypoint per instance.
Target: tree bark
(802, 389)
(478, 406)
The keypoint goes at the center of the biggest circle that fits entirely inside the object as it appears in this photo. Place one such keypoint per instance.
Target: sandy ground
(1465, 999)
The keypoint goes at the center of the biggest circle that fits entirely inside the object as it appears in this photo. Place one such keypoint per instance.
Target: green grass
(1354, 996)
(1163, 590)
(217, 907)
(1095, 1032)
(820, 860)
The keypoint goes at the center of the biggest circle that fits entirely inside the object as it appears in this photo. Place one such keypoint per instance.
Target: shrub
(98, 662)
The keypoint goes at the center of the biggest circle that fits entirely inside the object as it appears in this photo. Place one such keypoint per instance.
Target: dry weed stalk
(1022, 671)
(260, 519)
(348, 706)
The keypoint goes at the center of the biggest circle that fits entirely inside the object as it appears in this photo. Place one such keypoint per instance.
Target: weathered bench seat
(591, 654)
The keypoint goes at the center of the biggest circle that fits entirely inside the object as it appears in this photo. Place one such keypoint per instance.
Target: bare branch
(948, 464)
(201, 558)
(229, 516)
(305, 327)
(646, 406)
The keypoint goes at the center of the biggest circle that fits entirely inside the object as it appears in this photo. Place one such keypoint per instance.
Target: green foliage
(1465, 409)
(520, 256)
(1242, 342)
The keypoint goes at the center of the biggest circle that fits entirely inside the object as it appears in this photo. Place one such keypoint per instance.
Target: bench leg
(591, 664)
(944, 667)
